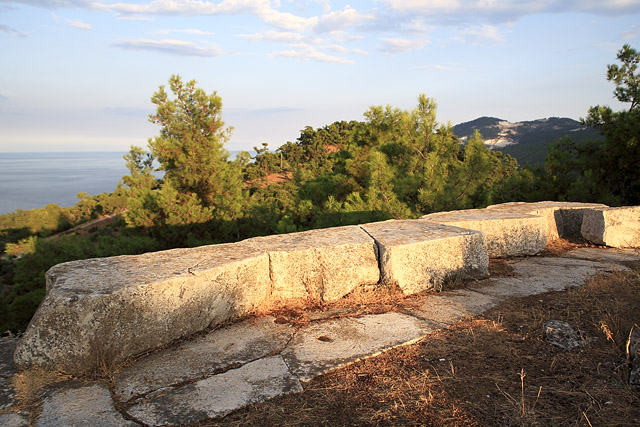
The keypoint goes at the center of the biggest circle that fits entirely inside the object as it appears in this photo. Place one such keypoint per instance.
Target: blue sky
(78, 75)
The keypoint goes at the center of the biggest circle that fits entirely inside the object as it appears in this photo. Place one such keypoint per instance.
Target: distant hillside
(526, 141)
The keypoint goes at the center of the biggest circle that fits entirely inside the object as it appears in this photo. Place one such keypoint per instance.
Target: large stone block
(506, 234)
(615, 227)
(220, 350)
(419, 255)
(326, 264)
(218, 395)
(108, 309)
(564, 219)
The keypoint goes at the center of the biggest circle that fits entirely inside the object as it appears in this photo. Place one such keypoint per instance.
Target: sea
(33, 180)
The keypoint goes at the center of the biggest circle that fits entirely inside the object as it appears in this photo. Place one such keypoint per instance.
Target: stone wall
(110, 309)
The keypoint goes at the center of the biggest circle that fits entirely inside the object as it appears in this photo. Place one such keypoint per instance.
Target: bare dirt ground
(490, 370)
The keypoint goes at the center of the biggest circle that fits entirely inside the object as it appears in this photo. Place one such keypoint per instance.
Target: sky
(78, 75)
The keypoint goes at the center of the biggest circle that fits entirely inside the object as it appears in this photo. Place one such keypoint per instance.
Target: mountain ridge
(527, 141)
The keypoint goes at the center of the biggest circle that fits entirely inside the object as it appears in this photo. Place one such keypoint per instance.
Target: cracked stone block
(325, 264)
(614, 227)
(321, 347)
(204, 356)
(506, 234)
(80, 405)
(218, 395)
(564, 219)
(113, 308)
(419, 255)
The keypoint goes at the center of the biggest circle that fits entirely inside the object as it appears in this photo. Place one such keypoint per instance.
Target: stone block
(325, 264)
(564, 219)
(506, 234)
(108, 309)
(218, 395)
(14, 419)
(80, 405)
(321, 347)
(419, 255)
(217, 351)
(448, 308)
(615, 227)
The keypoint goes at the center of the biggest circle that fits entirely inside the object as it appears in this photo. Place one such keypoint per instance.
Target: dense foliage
(393, 164)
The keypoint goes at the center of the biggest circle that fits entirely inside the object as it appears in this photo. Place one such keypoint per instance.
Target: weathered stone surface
(112, 308)
(219, 350)
(14, 419)
(615, 227)
(419, 255)
(536, 275)
(80, 405)
(506, 234)
(325, 264)
(445, 310)
(7, 393)
(7, 365)
(564, 219)
(7, 369)
(321, 347)
(218, 395)
(563, 335)
(604, 254)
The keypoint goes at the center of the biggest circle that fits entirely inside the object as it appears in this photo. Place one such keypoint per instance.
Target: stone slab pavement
(243, 363)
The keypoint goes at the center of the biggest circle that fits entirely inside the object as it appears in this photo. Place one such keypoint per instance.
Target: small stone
(563, 335)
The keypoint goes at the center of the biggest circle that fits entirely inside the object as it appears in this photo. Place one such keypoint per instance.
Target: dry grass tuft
(560, 246)
(500, 267)
(29, 386)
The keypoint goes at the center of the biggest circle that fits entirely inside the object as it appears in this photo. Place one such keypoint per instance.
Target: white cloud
(261, 8)
(341, 49)
(305, 52)
(393, 46)
(171, 47)
(482, 33)
(340, 20)
(72, 23)
(78, 24)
